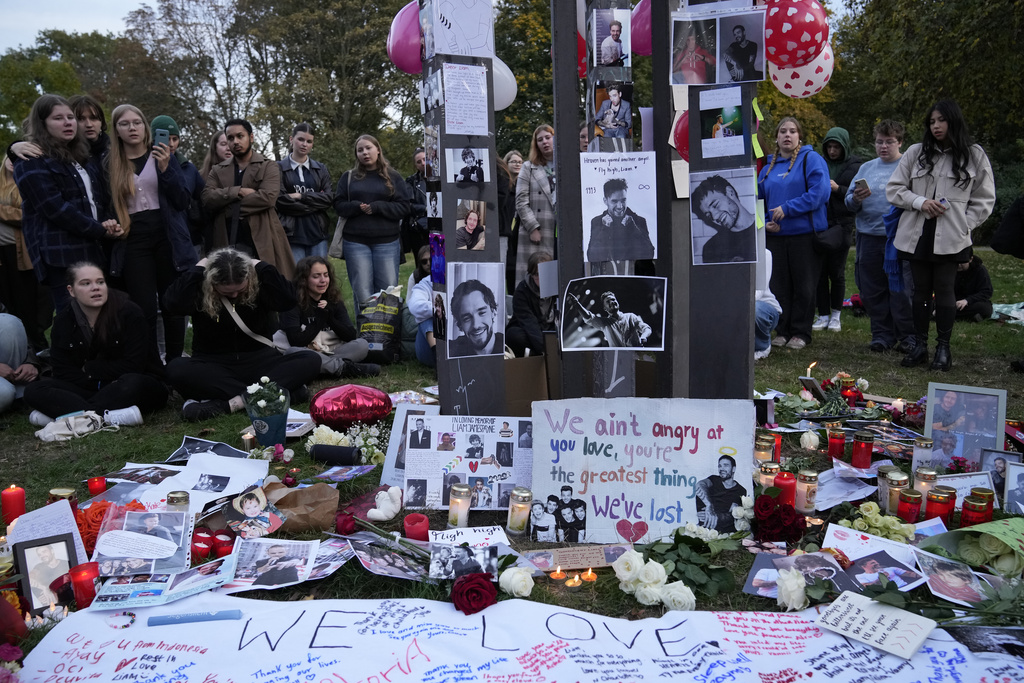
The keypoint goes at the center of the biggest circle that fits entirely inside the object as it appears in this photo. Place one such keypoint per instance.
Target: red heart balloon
(681, 136)
(340, 407)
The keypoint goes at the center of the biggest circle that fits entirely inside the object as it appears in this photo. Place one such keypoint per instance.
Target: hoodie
(802, 193)
(842, 172)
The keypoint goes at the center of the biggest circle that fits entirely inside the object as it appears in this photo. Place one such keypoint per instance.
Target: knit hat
(166, 123)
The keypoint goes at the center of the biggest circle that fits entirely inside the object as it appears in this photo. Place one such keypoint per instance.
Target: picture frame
(1013, 503)
(812, 385)
(988, 464)
(962, 420)
(40, 561)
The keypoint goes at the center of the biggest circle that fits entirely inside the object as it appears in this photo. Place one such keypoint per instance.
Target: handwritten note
(476, 537)
(465, 99)
(50, 520)
(886, 627)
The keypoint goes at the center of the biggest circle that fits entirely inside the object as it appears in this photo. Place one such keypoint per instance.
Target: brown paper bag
(309, 509)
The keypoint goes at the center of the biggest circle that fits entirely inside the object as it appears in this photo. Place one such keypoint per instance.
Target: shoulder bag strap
(241, 324)
(807, 188)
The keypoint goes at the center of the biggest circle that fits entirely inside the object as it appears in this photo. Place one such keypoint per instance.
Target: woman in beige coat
(535, 199)
(945, 187)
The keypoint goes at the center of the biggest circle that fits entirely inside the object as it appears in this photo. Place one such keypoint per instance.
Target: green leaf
(772, 491)
(659, 548)
(894, 599)
(695, 574)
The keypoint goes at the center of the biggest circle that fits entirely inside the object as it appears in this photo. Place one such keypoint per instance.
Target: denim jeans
(765, 319)
(890, 312)
(300, 251)
(371, 268)
(13, 350)
(424, 352)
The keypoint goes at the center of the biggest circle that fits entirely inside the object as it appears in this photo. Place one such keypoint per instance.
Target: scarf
(892, 266)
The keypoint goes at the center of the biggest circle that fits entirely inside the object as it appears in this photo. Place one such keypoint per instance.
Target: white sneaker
(820, 323)
(758, 355)
(834, 324)
(38, 419)
(125, 417)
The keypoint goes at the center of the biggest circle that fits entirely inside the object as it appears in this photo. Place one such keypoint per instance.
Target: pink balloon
(581, 56)
(804, 81)
(681, 135)
(404, 39)
(795, 32)
(640, 28)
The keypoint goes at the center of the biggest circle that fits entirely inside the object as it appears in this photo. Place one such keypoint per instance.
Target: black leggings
(929, 277)
(56, 397)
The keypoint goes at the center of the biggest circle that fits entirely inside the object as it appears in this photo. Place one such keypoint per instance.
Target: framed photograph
(1014, 489)
(41, 561)
(963, 483)
(994, 462)
(812, 385)
(963, 420)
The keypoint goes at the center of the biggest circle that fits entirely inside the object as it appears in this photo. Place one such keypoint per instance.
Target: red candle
(863, 442)
(84, 578)
(201, 533)
(200, 550)
(786, 481)
(13, 503)
(224, 549)
(416, 526)
(223, 537)
(837, 443)
(778, 447)
(97, 485)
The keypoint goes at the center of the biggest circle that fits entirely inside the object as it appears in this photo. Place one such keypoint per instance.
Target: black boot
(943, 359)
(918, 355)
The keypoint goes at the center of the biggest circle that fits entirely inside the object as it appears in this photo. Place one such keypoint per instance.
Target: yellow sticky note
(757, 111)
(757, 146)
(759, 215)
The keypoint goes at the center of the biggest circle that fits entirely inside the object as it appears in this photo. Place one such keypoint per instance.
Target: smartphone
(861, 184)
(944, 202)
(161, 137)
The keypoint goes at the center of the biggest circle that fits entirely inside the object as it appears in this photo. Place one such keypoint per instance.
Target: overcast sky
(23, 20)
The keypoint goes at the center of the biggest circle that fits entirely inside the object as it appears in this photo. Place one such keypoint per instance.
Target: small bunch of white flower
(369, 440)
(517, 582)
(703, 533)
(328, 437)
(743, 513)
(265, 398)
(649, 582)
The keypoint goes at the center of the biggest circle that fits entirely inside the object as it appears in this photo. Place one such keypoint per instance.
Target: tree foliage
(24, 76)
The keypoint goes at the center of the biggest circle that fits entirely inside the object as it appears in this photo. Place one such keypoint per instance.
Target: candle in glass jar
(177, 501)
(837, 443)
(767, 474)
(806, 491)
(924, 481)
(458, 506)
(97, 485)
(519, 510)
(863, 442)
(764, 449)
(778, 447)
(909, 509)
(849, 392)
(922, 451)
(84, 579)
(883, 485)
(894, 485)
(12, 500)
(987, 495)
(786, 482)
(938, 504)
(974, 511)
(951, 492)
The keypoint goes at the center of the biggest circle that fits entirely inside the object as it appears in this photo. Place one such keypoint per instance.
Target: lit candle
(767, 475)
(809, 368)
(909, 507)
(97, 485)
(200, 550)
(898, 404)
(223, 537)
(84, 580)
(589, 575)
(416, 526)
(786, 481)
(558, 574)
(806, 491)
(895, 482)
(778, 447)
(203, 534)
(863, 442)
(837, 443)
(13, 503)
(458, 505)
(764, 448)
(924, 481)
(222, 550)
(519, 510)
(574, 583)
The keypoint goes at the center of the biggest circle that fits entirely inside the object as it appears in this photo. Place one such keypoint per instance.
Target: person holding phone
(945, 187)
(151, 200)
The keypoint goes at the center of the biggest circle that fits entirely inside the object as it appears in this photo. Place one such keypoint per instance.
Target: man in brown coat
(241, 194)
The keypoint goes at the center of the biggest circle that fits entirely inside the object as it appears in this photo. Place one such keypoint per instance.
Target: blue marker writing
(193, 617)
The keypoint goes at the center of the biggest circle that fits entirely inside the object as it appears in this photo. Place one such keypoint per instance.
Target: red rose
(790, 516)
(474, 592)
(764, 507)
(769, 530)
(345, 524)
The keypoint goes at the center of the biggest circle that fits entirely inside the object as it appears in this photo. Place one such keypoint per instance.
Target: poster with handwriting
(424, 641)
(634, 469)
(491, 454)
(619, 193)
(465, 99)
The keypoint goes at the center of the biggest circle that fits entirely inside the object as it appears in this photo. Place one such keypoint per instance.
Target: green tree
(25, 75)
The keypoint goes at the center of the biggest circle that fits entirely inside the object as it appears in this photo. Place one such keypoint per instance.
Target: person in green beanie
(193, 182)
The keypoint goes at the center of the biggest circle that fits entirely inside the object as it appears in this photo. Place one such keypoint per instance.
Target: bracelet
(131, 619)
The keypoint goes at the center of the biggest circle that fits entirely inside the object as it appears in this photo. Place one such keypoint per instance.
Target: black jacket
(973, 284)
(526, 315)
(303, 326)
(388, 208)
(94, 365)
(304, 219)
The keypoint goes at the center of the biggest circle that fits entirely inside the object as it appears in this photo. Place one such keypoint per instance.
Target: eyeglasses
(886, 143)
(130, 124)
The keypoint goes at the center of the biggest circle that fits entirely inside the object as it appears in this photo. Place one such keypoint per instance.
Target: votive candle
(909, 508)
(519, 511)
(806, 491)
(786, 482)
(863, 442)
(416, 526)
(767, 475)
(97, 485)
(558, 574)
(574, 584)
(83, 581)
(589, 575)
(12, 500)
(458, 506)
(837, 443)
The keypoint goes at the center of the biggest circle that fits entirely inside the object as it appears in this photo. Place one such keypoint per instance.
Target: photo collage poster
(492, 455)
(717, 48)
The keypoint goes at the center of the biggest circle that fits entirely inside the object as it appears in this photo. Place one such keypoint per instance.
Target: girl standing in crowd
(223, 292)
(63, 197)
(101, 356)
(535, 199)
(219, 151)
(374, 198)
(151, 200)
(321, 322)
(305, 196)
(532, 315)
(795, 187)
(945, 187)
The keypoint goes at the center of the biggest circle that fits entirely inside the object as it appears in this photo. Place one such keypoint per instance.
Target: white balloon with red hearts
(804, 81)
(795, 32)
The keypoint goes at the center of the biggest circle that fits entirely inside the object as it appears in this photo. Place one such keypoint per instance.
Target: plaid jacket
(57, 221)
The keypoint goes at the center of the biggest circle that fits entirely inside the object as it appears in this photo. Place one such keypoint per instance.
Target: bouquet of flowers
(775, 521)
(868, 518)
(368, 438)
(265, 398)
(9, 667)
(649, 583)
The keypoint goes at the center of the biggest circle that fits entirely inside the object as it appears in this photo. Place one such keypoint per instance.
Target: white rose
(628, 566)
(739, 513)
(648, 595)
(742, 525)
(281, 398)
(253, 388)
(652, 574)
(809, 440)
(678, 596)
(1009, 564)
(747, 501)
(261, 403)
(628, 587)
(992, 545)
(265, 379)
(791, 585)
(517, 582)
(862, 384)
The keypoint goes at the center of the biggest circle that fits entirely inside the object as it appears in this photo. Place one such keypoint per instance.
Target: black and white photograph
(449, 479)
(435, 204)
(415, 494)
(505, 495)
(212, 483)
(611, 38)
(542, 519)
(741, 47)
(149, 474)
(504, 454)
(409, 423)
(869, 570)
(1007, 641)
(433, 153)
(995, 462)
(717, 494)
(722, 222)
(721, 122)
(166, 525)
(619, 194)
(477, 302)
(526, 434)
(190, 445)
(1013, 491)
(818, 565)
(609, 312)
(433, 93)
(378, 559)
(694, 51)
(468, 166)
(451, 562)
(470, 225)
(440, 316)
(40, 562)
(564, 516)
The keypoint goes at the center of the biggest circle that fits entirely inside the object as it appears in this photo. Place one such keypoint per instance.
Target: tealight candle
(574, 584)
(558, 574)
(786, 482)
(200, 550)
(458, 506)
(97, 485)
(84, 579)
(12, 500)
(416, 526)
(589, 575)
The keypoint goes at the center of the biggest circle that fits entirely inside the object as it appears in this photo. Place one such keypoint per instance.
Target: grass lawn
(981, 353)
